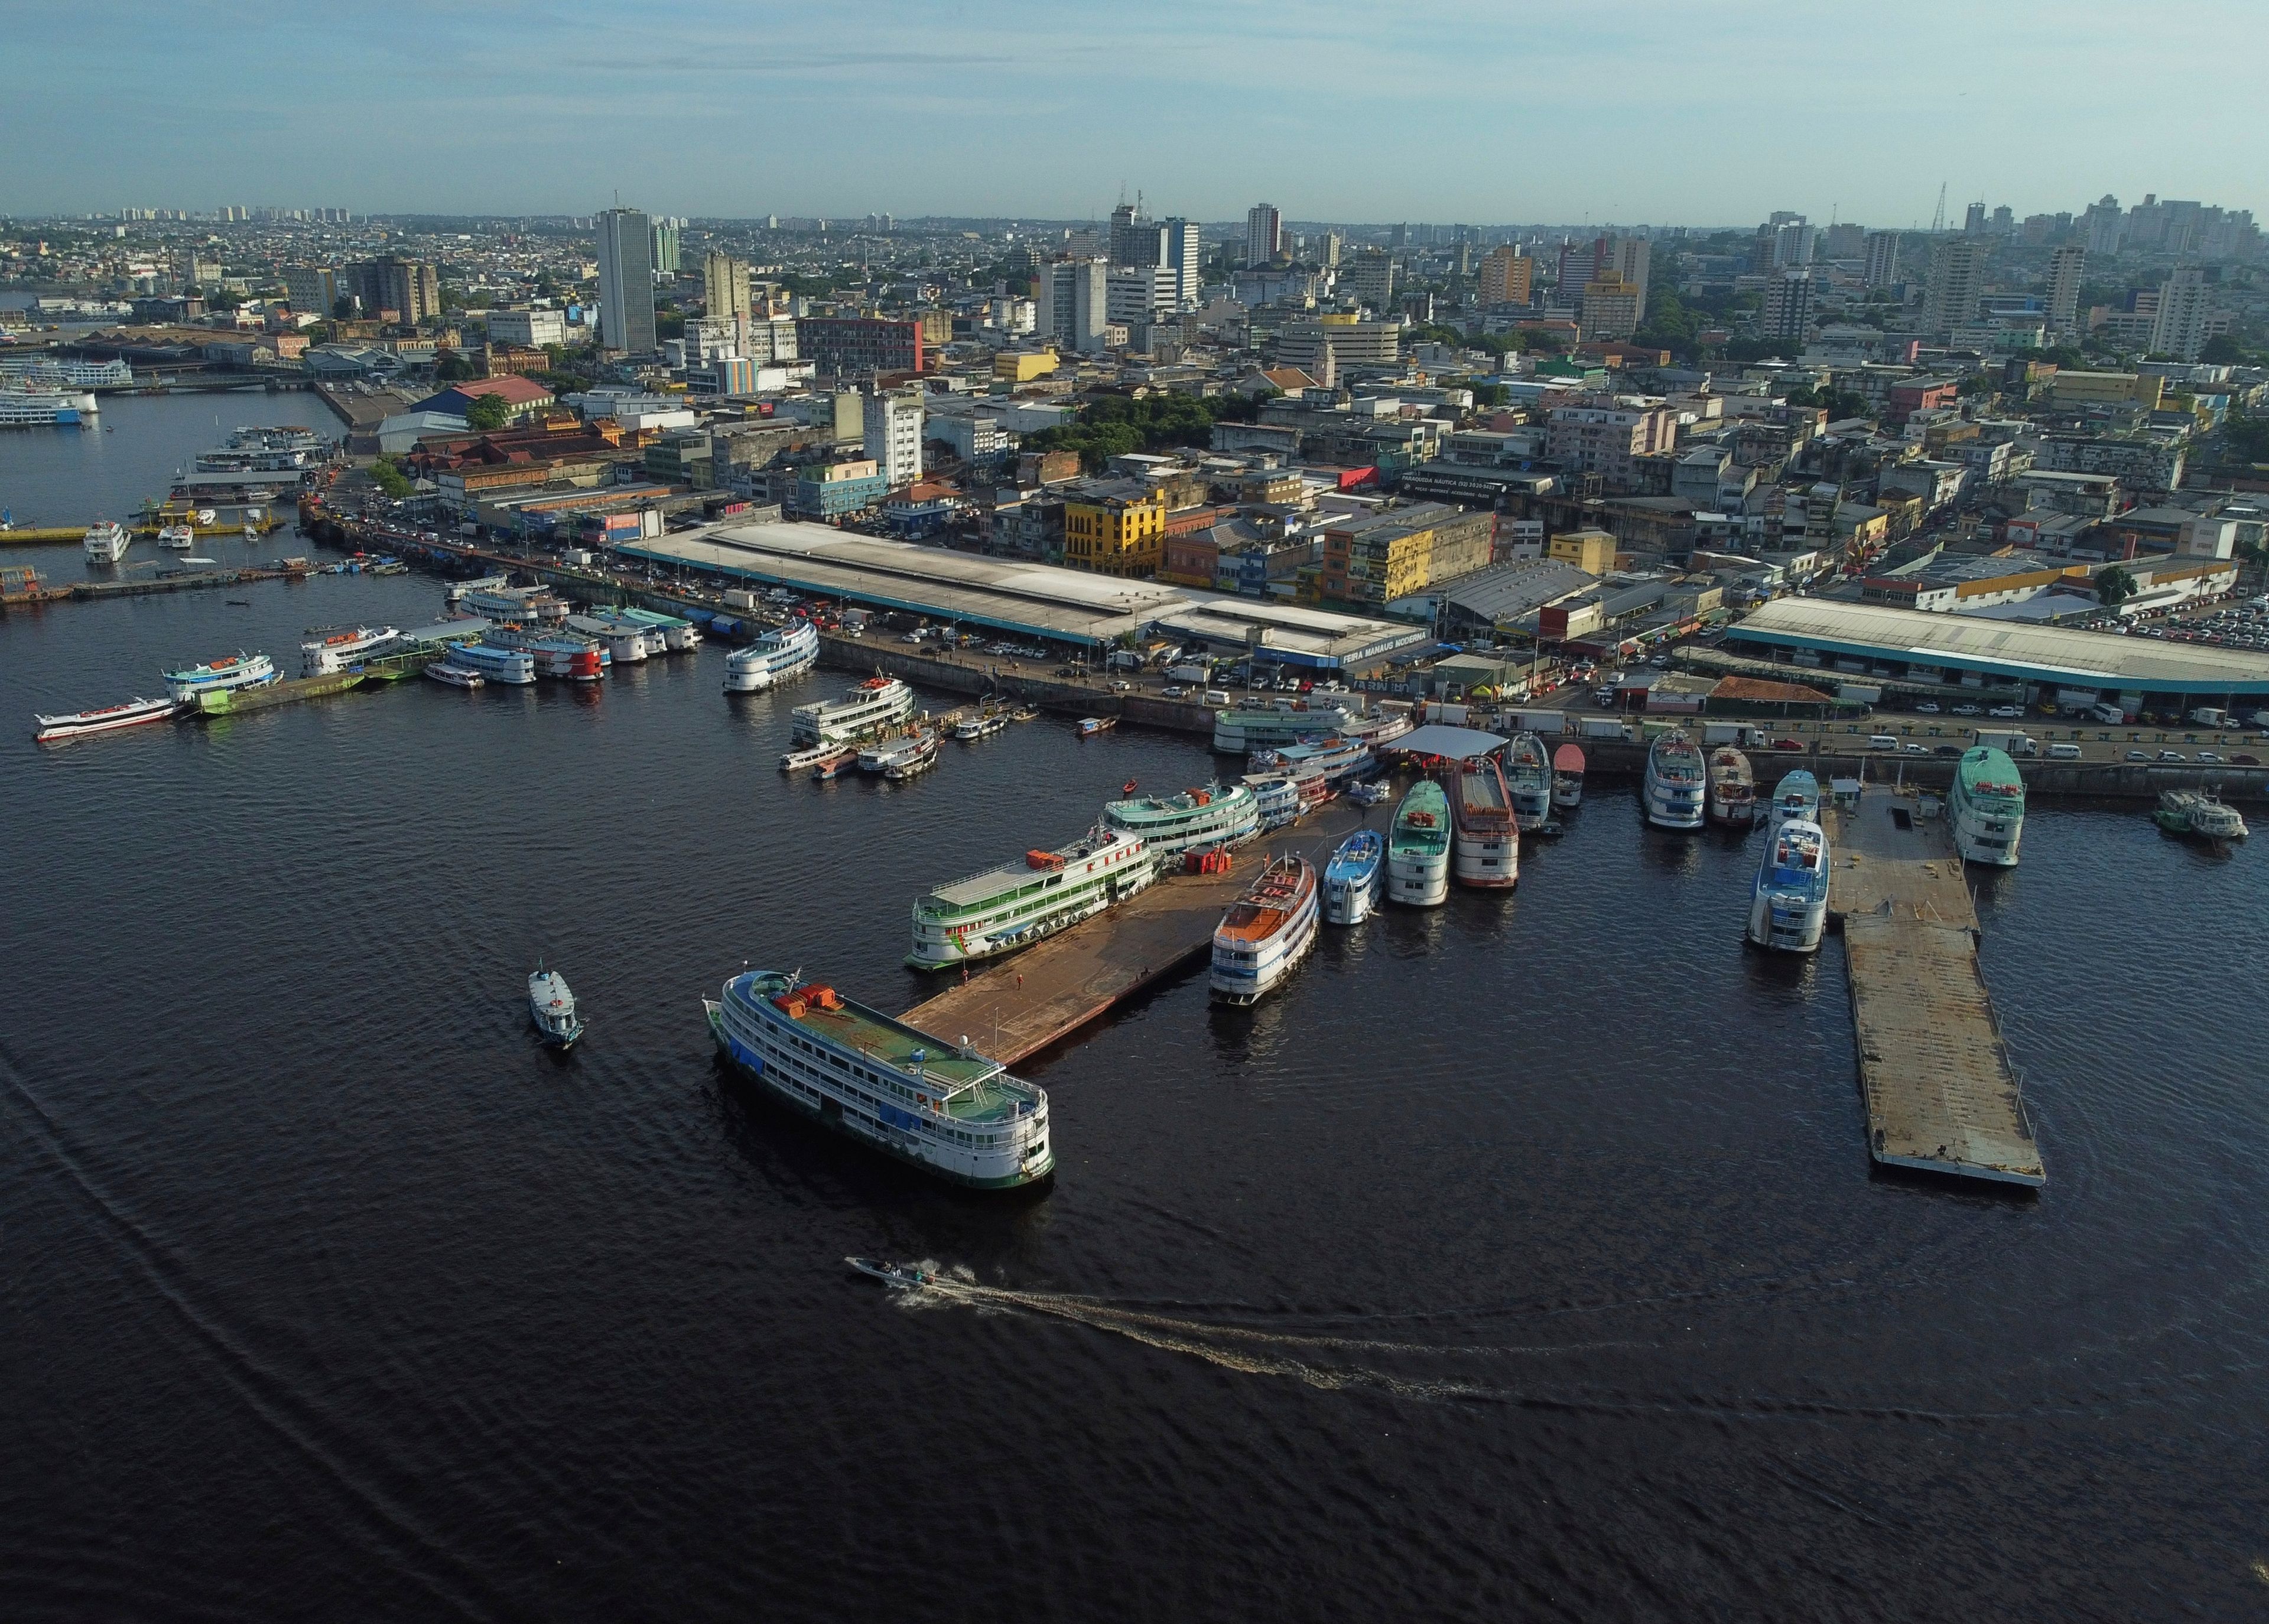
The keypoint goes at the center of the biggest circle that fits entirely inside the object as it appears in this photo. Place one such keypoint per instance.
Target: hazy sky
(1444, 110)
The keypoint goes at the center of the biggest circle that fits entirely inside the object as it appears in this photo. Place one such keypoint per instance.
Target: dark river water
(1521, 1258)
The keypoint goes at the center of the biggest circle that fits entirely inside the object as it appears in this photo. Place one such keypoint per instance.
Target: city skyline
(728, 110)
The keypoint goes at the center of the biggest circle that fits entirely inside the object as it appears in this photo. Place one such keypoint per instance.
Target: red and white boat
(133, 713)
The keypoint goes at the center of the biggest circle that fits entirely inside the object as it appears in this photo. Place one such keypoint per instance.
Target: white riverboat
(232, 671)
(1220, 815)
(949, 1111)
(177, 537)
(1485, 828)
(1242, 729)
(876, 704)
(514, 666)
(1528, 781)
(782, 654)
(1018, 902)
(106, 542)
(552, 1008)
(1355, 878)
(1796, 797)
(1418, 848)
(109, 719)
(1267, 932)
(1674, 789)
(335, 651)
(1986, 807)
(1788, 904)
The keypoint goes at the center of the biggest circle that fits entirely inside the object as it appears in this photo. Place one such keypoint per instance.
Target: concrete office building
(1610, 307)
(1370, 277)
(1182, 248)
(1628, 258)
(532, 328)
(312, 289)
(626, 282)
(1073, 298)
(1788, 304)
(893, 440)
(1137, 294)
(2064, 268)
(1264, 234)
(2181, 325)
(1507, 276)
(724, 285)
(1882, 251)
(1957, 281)
(410, 289)
(668, 257)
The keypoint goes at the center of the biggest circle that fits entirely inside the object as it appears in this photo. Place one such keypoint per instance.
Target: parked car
(2008, 713)
(1947, 749)
(1172, 690)
(1916, 750)
(2244, 761)
(1967, 710)
(1120, 685)
(2139, 755)
(1928, 707)
(2172, 756)
(1788, 744)
(2208, 756)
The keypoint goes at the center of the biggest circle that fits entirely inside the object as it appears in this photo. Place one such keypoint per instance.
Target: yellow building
(1114, 528)
(1022, 365)
(1592, 551)
(1505, 273)
(2073, 388)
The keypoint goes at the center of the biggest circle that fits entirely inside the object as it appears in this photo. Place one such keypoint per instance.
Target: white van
(1882, 742)
(1216, 696)
(2064, 752)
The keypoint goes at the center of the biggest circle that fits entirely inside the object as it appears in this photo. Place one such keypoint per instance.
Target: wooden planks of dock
(1018, 1006)
(1940, 1090)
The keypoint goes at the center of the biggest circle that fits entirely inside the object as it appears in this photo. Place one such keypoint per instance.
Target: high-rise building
(1370, 275)
(1580, 260)
(1957, 281)
(1627, 257)
(1073, 296)
(1135, 239)
(667, 256)
(410, 289)
(2181, 326)
(1794, 242)
(626, 281)
(1328, 249)
(1506, 276)
(724, 285)
(312, 289)
(1882, 259)
(2106, 224)
(1844, 241)
(1183, 247)
(1610, 306)
(894, 436)
(1788, 304)
(2064, 267)
(1973, 222)
(1264, 234)
(1133, 293)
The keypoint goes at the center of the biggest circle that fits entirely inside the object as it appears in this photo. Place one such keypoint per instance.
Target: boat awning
(1450, 743)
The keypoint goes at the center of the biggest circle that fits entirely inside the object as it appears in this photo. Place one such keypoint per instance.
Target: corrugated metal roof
(2039, 653)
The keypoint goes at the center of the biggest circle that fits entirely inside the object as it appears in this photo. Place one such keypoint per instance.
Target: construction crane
(1938, 220)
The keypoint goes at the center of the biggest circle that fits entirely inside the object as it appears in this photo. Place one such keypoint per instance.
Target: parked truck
(2012, 743)
(1543, 724)
(1601, 727)
(1189, 672)
(1740, 733)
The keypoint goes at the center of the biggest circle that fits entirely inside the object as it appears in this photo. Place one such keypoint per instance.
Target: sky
(1605, 111)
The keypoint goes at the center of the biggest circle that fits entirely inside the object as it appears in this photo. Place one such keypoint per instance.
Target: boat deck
(1940, 1090)
(978, 1095)
(1019, 1005)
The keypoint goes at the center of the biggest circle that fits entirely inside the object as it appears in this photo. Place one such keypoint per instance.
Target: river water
(1520, 1258)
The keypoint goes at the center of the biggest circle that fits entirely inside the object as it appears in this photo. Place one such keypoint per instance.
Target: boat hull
(1418, 882)
(53, 728)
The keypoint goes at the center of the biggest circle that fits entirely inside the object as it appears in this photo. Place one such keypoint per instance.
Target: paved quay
(1941, 1092)
(1018, 1006)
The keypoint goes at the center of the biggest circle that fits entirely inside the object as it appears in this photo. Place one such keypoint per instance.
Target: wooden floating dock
(237, 701)
(1014, 1006)
(1940, 1091)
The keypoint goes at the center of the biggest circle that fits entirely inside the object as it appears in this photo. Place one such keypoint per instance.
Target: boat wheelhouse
(1788, 904)
(1267, 932)
(1986, 807)
(949, 1111)
(1220, 815)
(233, 671)
(1019, 903)
(877, 703)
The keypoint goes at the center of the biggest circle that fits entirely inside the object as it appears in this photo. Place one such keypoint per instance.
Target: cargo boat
(1016, 904)
(1418, 849)
(1485, 844)
(1267, 932)
(950, 1112)
(1733, 788)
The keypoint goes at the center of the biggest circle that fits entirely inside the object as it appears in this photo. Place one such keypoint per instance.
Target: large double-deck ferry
(1276, 797)
(514, 666)
(231, 671)
(560, 654)
(1267, 932)
(1333, 757)
(1674, 789)
(1986, 807)
(1220, 815)
(1018, 902)
(1788, 904)
(783, 653)
(679, 634)
(949, 1112)
(626, 643)
(30, 406)
(1528, 781)
(335, 651)
(1418, 848)
(1485, 849)
(106, 542)
(877, 703)
(524, 604)
(1237, 731)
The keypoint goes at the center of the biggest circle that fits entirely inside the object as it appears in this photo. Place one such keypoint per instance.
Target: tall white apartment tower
(1957, 281)
(626, 281)
(2185, 309)
(1182, 249)
(2064, 266)
(1264, 233)
(1882, 259)
(1073, 296)
(894, 436)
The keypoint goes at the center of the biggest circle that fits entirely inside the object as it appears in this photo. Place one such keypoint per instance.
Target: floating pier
(237, 701)
(1016, 1005)
(1941, 1092)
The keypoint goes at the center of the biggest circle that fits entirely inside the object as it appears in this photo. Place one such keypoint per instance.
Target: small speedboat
(553, 1008)
(905, 1277)
(456, 676)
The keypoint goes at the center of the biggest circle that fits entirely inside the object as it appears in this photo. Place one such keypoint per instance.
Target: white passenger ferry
(1528, 781)
(1986, 807)
(1018, 902)
(1220, 815)
(877, 703)
(1418, 848)
(1237, 731)
(1485, 845)
(783, 653)
(1267, 932)
(107, 541)
(514, 666)
(1788, 904)
(1674, 790)
(335, 651)
(230, 672)
(949, 1112)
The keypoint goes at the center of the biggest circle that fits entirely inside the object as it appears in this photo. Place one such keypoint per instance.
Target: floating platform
(1018, 1006)
(237, 701)
(1941, 1092)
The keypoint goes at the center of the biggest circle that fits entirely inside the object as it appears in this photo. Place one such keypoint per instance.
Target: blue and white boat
(1796, 798)
(1676, 790)
(1355, 878)
(498, 665)
(552, 1007)
(238, 671)
(780, 654)
(678, 633)
(1788, 905)
(949, 1111)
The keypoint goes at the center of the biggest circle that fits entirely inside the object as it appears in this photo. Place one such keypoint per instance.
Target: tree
(389, 479)
(452, 368)
(2113, 586)
(488, 412)
(1491, 394)
(343, 307)
(2222, 351)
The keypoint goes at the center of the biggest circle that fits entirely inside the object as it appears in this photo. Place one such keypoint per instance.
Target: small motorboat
(1368, 794)
(553, 1008)
(905, 1277)
(456, 676)
(1091, 726)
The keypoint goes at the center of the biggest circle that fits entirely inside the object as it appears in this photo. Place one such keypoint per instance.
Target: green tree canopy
(2113, 586)
(488, 412)
(452, 368)
(389, 479)
(1115, 425)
